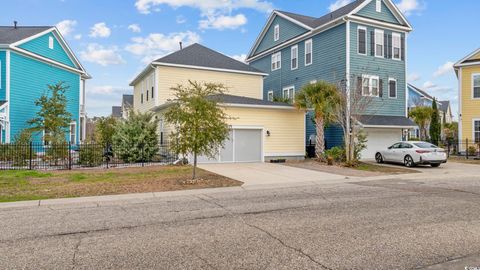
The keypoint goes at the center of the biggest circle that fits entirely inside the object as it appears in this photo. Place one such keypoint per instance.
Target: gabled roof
(127, 100)
(10, 34)
(312, 23)
(467, 61)
(421, 92)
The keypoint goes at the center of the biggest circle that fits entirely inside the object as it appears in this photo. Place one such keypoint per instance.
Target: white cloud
(104, 90)
(433, 87)
(240, 57)
(413, 77)
(444, 69)
(223, 22)
(77, 37)
(100, 30)
(135, 28)
(66, 27)
(156, 45)
(338, 4)
(206, 6)
(429, 84)
(98, 54)
(409, 6)
(180, 19)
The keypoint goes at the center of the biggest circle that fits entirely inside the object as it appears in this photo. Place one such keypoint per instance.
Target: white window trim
(288, 88)
(399, 46)
(276, 32)
(378, 7)
(370, 78)
(378, 31)
(473, 85)
(358, 40)
(278, 58)
(70, 132)
(311, 58)
(50, 42)
(0, 74)
(291, 57)
(396, 87)
(473, 128)
(270, 94)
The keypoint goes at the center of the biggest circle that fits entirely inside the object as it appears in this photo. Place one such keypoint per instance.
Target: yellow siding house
(261, 130)
(468, 73)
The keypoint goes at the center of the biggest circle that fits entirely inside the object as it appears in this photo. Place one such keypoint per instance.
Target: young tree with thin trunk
(199, 124)
(323, 98)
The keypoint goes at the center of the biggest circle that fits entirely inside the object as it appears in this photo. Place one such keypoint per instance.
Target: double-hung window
(276, 61)
(397, 46)
(476, 130)
(370, 86)
(289, 93)
(379, 6)
(379, 43)
(50, 43)
(294, 56)
(392, 88)
(362, 40)
(476, 85)
(308, 52)
(73, 132)
(276, 33)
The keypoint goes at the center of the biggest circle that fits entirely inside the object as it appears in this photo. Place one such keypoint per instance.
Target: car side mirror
(390, 147)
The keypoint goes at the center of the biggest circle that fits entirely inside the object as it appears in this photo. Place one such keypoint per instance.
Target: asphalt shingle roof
(425, 94)
(198, 55)
(231, 99)
(383, 120)
(10, 34)
(127, 100)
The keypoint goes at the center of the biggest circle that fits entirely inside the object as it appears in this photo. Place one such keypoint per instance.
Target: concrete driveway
(268, 173)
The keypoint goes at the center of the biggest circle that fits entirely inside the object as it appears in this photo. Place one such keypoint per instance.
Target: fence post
(143, 155)
(448, 149)
(69, 155)
(30, 156)
(466, 147)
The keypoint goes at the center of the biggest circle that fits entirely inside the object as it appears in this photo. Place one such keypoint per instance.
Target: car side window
(406, 146)
(397, 146)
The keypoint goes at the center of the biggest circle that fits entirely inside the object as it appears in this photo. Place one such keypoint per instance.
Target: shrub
(336, 153)
(360, 144)
(472, 150)
(90, 155)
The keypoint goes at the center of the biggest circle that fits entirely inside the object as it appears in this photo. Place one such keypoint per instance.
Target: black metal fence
(464, 148)
(37, 156)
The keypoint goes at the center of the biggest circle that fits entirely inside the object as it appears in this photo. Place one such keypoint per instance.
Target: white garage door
(243, 145)
(379, 139)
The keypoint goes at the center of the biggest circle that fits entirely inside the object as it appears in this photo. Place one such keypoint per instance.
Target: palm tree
(421, 116)
(323, 98)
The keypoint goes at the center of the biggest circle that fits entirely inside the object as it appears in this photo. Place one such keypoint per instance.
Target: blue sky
(114, 39)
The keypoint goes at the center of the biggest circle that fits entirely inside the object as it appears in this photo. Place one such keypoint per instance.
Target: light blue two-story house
(362, 45)
(31, 58)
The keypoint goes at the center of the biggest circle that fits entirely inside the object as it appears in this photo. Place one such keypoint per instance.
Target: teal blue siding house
(31, 58)
(361, 46)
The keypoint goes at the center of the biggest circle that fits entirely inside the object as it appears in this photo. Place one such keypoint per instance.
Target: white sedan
(413, 153)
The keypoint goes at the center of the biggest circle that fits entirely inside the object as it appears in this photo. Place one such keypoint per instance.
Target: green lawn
(36, 185)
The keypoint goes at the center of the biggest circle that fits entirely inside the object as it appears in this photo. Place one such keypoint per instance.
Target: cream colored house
(260, 130)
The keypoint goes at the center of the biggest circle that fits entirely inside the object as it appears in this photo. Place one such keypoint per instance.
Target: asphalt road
(389, 224)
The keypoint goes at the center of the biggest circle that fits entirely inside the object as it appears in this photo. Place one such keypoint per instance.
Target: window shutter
(385, 45)
(372, 43)
(359, 85)
(380, 88)
(390, 46)
(403, 47)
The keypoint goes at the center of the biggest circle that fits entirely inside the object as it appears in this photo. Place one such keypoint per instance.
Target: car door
(402, 151)
(390, 152)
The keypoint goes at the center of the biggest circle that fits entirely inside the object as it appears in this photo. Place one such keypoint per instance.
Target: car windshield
(425, 145)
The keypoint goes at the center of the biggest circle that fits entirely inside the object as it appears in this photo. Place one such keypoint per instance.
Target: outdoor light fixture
(268, 133)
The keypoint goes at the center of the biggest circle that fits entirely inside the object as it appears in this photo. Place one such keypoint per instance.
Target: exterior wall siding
(329, 64)
(3, 75)
(141, 88)
(288, 30)
(40, 46)
(370, 11)
(470, 107)
(382, 67)
(25, 89)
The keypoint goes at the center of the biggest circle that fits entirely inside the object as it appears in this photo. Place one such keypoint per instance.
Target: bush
(472, 150)
(336, 153)
(90, 155)
(360, 144)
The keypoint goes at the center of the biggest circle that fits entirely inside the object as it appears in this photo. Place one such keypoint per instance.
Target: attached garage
(382, 132)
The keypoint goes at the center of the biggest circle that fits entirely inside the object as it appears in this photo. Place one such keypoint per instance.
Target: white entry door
(243, 145)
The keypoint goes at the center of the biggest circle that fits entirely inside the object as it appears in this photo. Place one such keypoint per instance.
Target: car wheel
(435, 165)
(408, 161)
(379, 158)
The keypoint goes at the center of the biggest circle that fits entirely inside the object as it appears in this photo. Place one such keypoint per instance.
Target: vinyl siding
(3, 64)
(40, 46)
(470, 107)
(25, 89)
(329, 64)
(382, 67)
(370, 11)
(288, 30)
(140, 89)
(286, 127)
